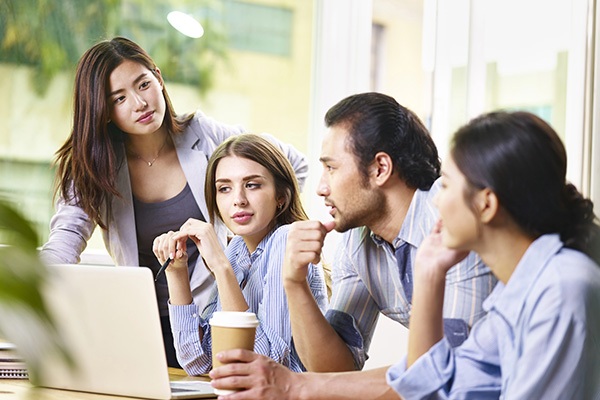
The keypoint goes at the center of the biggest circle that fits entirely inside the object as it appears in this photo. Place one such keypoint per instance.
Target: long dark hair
(260, 150)
(377, 123)
(86, 163)
(522, 159)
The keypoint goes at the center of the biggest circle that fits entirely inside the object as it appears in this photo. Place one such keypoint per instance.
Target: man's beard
(371, 207)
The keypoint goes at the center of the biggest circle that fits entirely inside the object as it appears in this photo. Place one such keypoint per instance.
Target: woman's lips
(241, 218)
(147, 117)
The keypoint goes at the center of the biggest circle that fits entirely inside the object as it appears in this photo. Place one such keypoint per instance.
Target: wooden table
(21, 389)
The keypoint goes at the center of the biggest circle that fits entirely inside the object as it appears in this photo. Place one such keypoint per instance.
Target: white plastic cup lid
(234, 319)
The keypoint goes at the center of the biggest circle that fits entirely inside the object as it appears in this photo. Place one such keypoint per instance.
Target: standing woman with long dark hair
(134, 168)
(505, 196)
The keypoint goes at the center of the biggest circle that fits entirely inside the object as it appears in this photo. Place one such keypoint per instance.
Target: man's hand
(255, 375)
(304, 245)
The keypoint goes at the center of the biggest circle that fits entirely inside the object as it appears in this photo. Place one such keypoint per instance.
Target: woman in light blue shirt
(505, 196)
(251, 187)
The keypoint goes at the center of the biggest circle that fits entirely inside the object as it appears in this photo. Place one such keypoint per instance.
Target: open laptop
(109, 320)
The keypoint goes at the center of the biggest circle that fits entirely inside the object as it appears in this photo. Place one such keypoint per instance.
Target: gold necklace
(150, 163)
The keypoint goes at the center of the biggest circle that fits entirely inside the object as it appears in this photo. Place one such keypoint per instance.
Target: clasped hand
(304, 245)
(174, 245)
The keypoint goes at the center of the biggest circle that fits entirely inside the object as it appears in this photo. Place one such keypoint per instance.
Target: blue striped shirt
(366, 279)
(260, 276)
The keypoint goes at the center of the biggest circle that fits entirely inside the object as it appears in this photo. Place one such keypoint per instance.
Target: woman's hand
(170, 245)
(204, 236)
(433, 257)
(433, 260)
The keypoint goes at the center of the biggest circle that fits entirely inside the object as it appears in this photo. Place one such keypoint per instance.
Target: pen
(162, 268)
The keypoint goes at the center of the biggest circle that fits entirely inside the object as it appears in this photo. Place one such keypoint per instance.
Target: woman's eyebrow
(136, 80)
(246, 178)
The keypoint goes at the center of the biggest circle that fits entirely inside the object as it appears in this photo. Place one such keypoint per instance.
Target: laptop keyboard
(191, 386)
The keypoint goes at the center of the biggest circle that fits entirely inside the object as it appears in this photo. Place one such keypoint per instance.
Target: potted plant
(24, 317)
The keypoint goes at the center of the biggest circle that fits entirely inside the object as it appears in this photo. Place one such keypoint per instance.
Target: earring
(279, 206)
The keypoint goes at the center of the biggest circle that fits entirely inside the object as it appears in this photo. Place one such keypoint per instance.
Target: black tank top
(154, 219)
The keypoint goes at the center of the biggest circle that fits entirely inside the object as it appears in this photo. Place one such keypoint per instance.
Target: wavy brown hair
(86, 163)
(258, 149)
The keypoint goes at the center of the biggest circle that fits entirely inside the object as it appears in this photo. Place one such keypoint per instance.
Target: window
(259, 28)
(377, 53)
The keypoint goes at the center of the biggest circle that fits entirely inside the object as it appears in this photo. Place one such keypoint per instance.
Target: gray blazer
(71, 228)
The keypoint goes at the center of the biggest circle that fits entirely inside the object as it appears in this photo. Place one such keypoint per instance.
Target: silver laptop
(109, 319)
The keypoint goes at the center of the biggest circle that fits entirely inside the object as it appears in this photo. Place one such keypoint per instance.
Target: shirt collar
(509, 300)
(410, 232)
(243, 256)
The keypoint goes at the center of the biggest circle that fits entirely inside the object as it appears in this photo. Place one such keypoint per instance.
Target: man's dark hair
(377, 123)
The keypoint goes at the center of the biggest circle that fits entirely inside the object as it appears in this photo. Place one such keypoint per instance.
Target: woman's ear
(283, 201)
(487, 204)
(382, 168)
(159, 76)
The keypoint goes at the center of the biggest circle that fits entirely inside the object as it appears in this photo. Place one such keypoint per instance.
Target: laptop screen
(109, 319)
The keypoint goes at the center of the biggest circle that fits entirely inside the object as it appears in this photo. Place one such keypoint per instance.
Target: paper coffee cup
(231, 330)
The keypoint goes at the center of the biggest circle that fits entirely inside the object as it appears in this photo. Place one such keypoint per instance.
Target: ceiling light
(185, 24)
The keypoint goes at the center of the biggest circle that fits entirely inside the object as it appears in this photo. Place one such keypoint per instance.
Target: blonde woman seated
(251, 187)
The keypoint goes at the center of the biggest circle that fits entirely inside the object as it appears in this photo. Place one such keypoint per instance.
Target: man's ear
(382, 168)
(486, 203)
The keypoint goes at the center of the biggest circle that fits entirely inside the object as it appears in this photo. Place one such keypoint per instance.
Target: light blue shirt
(260, 276)
(366, 279)
(539, 340)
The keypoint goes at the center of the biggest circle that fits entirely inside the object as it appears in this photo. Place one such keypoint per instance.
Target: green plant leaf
(24, 317)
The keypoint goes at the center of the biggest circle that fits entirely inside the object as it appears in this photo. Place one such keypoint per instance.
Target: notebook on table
(12, 366)
(109, 319)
